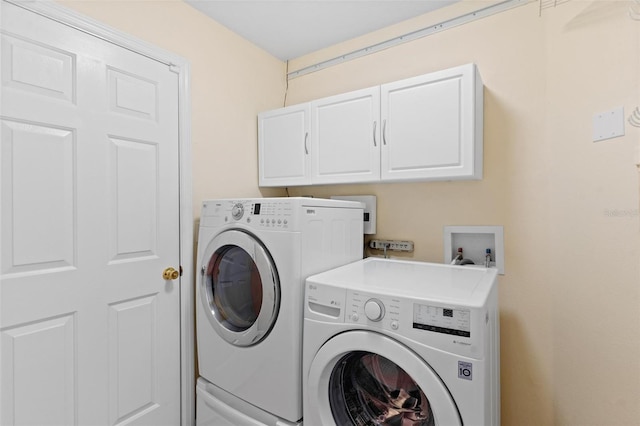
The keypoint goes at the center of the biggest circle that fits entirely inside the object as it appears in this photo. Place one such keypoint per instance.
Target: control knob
(374, 309)
(237, 211)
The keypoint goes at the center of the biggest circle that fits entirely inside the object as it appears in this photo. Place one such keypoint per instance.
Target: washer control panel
(374, 309)
(377, 311)
(454, 328)
(453, 321)
(385, 312)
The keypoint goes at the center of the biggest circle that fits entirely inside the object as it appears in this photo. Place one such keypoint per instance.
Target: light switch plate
(609, 124)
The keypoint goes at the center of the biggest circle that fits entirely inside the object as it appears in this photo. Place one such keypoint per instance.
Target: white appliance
(253, 258)
(390, 342)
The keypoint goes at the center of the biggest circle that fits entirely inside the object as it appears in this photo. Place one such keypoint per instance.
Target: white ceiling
(289, 29)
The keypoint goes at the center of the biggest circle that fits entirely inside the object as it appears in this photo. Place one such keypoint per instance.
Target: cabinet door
(284, 147)
(432, 126)
(345, 136)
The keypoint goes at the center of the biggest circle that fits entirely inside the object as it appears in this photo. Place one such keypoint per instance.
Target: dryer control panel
(267, 214)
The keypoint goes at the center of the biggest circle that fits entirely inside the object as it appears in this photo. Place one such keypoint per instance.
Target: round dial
(237, 211)
(374, 309)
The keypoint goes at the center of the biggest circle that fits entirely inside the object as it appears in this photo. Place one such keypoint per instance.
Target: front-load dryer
(253, 257)
(390, 342)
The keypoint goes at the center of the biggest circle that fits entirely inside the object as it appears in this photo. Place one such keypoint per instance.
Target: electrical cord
(286, 87)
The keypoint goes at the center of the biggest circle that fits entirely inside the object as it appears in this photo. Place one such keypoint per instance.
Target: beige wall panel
(570, 306)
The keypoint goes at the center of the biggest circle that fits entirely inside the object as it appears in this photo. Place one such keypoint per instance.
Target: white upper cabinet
(284, 146)
(432, 126)
(345, 137)
(422, 128)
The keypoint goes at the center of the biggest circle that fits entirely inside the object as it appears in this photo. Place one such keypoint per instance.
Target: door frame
(179, 65)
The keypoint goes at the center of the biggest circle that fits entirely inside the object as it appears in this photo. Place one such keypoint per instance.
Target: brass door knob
(170, 274)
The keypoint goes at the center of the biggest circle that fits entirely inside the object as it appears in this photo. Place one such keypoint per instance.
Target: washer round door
(239, 288)
(362, 378)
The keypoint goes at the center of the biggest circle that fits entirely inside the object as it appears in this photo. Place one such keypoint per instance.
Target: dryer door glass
(239, 288)
(367, 389)
(236, 287)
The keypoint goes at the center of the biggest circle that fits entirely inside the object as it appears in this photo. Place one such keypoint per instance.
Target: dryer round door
(239, 288)
(362, 378)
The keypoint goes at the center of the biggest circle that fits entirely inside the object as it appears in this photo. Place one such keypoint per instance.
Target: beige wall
(570, 299)
(231, 81)
(570, 305)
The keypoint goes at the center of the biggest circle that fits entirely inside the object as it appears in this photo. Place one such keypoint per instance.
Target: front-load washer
(253, 257)
(391, 342)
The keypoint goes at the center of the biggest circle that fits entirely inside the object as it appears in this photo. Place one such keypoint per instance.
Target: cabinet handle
(384, 132)
(306, 136)
(375, 124)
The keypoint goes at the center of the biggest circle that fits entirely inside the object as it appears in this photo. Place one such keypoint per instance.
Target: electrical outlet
(391, 245)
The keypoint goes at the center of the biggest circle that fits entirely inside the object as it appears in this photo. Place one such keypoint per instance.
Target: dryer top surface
(281, 214)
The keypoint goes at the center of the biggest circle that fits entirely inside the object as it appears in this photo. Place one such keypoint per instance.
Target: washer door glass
(239, 288)
(367, 389)
(363, 378)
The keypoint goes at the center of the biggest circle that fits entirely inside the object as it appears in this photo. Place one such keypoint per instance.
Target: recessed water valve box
(474, 242)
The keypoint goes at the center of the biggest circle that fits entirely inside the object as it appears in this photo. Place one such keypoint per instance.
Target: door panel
(132, 358)
(133, 95)
(90, 330)
(49, 379)
(432, 126)
(38, 170)
(346, 137)
(283, 146)
(424, 128)
(134, 180)
(23, 62)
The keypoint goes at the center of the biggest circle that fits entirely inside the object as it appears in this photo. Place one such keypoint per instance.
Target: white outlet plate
(369, 209)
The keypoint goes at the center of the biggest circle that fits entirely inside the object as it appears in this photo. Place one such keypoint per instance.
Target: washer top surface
(418, 280)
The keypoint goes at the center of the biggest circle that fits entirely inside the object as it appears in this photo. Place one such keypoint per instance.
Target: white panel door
(89, 329)
(345, 137)
(430, 126)
(283, 146)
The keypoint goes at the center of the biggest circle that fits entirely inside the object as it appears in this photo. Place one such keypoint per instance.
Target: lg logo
(465, 370)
